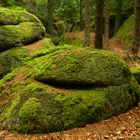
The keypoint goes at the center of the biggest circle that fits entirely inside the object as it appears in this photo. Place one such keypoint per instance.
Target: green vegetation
(126, 32)
(29, 110)
(136, 73)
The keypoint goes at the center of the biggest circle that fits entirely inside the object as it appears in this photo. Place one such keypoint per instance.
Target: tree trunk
(81, 15)
(87, 23)
(137, 27)
(118, 15)
(106, 24)
(50, 17)
(32, 6)
(99, 24)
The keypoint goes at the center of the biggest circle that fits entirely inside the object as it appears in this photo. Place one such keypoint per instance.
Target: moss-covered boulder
(136, 73)
(14, 57)
(18, 28)
(80, 66)
(62, 88)
(126, 32)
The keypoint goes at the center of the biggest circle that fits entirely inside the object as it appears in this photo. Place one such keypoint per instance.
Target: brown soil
(35, 46)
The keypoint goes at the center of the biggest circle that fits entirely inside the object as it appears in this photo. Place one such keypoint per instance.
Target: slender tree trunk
(106, 24)
(50, 17)
(118, 15)
(87, 23)
(136, 42)
(99, 24)
(32, 8)
(81, 15)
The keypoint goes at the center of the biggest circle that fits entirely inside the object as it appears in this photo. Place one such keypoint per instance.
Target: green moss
(9, 110)
(79, 107)
(90, 105)
(79, 65)
(136, 73)
(18, 28)
(29, 110)
(135, 70)
(21, 34)
(126, 32)
(8, 77)
(15, 57)
(14, 17)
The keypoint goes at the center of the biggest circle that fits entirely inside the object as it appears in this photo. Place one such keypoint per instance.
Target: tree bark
(118, 15)
(99, 24)
(32, 6)
(87, 23)
(106, 24)
(81, 15)
(136, 42)
(50, 17)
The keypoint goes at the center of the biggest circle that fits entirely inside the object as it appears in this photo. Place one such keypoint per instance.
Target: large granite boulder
(62, 88)
(18, 28)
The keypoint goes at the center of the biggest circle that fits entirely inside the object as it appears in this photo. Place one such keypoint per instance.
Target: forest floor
(125, 126)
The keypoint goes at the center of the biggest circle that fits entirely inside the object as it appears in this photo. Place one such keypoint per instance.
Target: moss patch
(19, 35)
(18, 28)
(126, 32)
(30, 109)
(14, 17)
(81, 66)
(136, 73)
(15, 57)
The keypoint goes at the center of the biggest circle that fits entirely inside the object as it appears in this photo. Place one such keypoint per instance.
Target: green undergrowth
(71, 41)
(126, 32)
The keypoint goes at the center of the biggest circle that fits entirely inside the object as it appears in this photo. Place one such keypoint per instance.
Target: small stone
(106, 137)
(121, 138)
(118, 132)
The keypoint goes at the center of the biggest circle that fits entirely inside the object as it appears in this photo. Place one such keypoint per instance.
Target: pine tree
(106, 24)
(99, 24)
(87, 23)
(137, 27)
